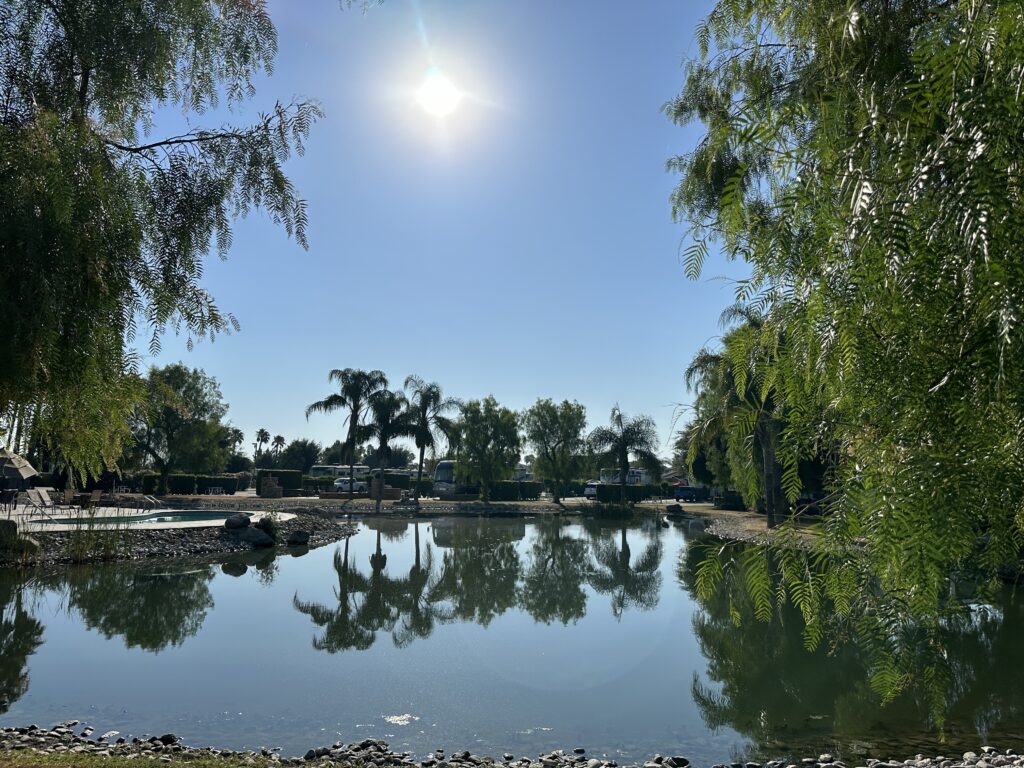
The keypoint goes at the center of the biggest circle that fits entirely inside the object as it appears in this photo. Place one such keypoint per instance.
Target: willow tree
(104, 225)
(556, 433)
(865, 159)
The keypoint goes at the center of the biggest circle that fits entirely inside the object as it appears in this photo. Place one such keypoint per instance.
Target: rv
(337, 470)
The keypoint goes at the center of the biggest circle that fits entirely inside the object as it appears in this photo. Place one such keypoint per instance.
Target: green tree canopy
(103, 226)
(488, 443)
(864, 158)
(556, 432)
(627, 436)
(300, 454)
(178, 426)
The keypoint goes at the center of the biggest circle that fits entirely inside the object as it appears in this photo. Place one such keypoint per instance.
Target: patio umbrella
(14, 467)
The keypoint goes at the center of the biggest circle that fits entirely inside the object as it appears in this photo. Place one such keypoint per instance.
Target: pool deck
(30, 521)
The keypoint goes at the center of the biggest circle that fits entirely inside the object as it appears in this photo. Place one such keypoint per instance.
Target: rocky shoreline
(68, 548)
(375, 753)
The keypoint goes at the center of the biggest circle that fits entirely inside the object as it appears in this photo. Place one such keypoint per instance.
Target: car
(590, 489)
(685, 493)
(341, 486)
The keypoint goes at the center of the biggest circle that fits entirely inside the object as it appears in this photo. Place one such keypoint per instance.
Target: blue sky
(522, 247)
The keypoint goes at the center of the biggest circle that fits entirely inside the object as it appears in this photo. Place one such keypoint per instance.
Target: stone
(168, 738)
(8, 532)
(580, 750)
(237, 521)
(298, 538)
(256, 537)
(680, 761)
(234, 569)
(310, 754)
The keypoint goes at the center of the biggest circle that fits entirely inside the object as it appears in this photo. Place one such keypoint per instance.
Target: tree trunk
(416, 528)
(774, 502)
(383, 466)
(623, 471)
(419, 477)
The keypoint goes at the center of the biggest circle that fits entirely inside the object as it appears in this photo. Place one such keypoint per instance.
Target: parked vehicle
(337, 470)
(341, 485)
(590, 489)
(685, 493)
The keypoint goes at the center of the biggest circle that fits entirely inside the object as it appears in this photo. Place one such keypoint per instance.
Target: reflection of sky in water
(244, 672)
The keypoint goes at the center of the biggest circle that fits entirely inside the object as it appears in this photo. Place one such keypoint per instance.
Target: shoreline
(60, 745)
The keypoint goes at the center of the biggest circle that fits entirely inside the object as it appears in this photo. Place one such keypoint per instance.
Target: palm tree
(428, 406)
(236, 437)
(277, 445)
(355, 387)
(262, 438)
(390, 418)
(627, 436)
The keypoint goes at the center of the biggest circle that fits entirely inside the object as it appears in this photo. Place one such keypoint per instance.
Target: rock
(298, 538)
(310, 754)
(168, 738)
(580, 750)
(237, 521)
(680, 761)
(8, 532)
(256, 537)
(826, 758)
(234, 569)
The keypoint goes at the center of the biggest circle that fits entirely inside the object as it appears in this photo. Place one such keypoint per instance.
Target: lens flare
(438, 95)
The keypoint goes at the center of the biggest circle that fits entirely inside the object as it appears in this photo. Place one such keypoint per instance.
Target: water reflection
(20, 635)
(962, 681)
(152, 607)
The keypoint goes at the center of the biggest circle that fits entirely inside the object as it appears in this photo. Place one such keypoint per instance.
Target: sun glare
(438, 95)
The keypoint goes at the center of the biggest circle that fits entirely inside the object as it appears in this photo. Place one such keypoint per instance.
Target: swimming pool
(157, 516)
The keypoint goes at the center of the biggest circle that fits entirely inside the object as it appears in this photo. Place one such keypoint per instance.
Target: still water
(489, 635)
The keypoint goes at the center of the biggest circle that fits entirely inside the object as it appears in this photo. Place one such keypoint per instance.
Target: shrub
(182, 484)
(244, 480)
(611, 494)
(288, 479)
(515, 490)
(426, 487)
(268, 525)
(320, 482)
(147, 483)
(396, 480)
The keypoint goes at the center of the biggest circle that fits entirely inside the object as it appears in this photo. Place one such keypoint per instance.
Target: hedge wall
(288, 479)
(183, 484)
(320, 482)
(611, 494)
(514, 490)
(228, 482)
(426, 487)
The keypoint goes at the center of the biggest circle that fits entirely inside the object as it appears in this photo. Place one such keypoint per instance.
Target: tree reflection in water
(20, 635)
(962, 680)
(150, 607)
(480, 576)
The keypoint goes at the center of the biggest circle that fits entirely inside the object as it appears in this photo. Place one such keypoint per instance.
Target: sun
(438, 95)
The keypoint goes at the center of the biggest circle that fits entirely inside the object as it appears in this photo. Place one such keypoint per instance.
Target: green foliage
(488, 443)
(612, 494)
(864, 161)
(181, 484)
(624, 437)
(268, 525)
(179, 426)
(104, 230)
(515, 490)
(556, 434)
(300, 454)
(287, 479)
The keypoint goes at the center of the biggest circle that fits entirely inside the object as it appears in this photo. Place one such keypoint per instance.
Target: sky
(521, 247)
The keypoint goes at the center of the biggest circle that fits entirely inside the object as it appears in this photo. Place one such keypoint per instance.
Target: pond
(491, 635)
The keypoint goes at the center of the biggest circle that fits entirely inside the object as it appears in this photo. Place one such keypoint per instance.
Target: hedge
(229, 483)
(320, 482)
(426, 487)
(515, 490)
(181, 484)
(147, 484)
(288, 479)
(392, 479)
(611, 494)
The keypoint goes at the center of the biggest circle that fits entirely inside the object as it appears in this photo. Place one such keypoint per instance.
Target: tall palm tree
(626, 436)
(390, 418)
(262, 438)
(236, 437)
(355, 387)
(277, 445)
(429, 405)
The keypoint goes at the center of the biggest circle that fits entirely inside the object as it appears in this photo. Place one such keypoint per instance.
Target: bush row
(515, 490)
(610, 494)
(287, 479)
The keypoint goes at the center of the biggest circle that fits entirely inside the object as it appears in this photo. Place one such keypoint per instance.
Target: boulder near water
(256, 537)
(237, 521)
(298, 538)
